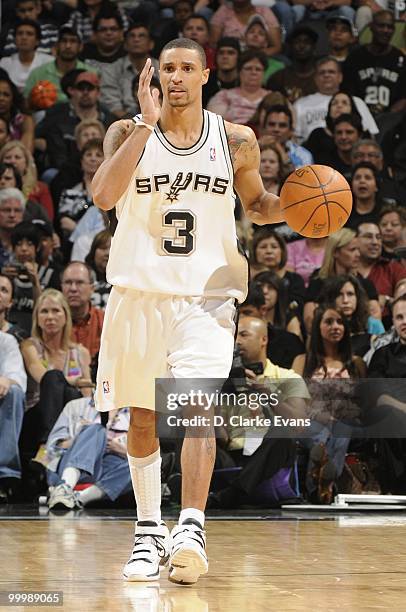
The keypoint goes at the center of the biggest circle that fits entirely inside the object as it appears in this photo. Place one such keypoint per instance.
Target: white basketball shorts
(149, 335)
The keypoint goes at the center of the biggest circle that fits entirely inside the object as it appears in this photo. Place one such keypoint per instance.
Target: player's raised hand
(148, 101)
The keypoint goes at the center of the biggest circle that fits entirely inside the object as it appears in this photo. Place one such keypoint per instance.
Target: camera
(237, 375)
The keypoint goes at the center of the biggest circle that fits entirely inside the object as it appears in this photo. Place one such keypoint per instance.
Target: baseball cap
(43, 227)
(338, 18)
(303, 29)
(257, 19)
(88, 77)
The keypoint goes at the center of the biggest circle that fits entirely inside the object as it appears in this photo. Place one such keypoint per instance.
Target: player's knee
(142, 419)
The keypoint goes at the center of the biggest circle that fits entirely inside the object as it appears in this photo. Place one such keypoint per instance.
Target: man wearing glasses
(108, 41)
(77, 286)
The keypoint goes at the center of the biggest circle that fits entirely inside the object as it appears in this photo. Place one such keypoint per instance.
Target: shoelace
(156, 539)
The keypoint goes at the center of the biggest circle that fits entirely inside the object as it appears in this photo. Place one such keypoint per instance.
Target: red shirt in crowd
(385, 273)
(87, 331)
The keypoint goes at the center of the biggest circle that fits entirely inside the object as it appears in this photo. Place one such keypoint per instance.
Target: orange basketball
(316, 201)
(43, 95)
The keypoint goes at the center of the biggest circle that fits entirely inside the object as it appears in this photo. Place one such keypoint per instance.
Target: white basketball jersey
(176, 231)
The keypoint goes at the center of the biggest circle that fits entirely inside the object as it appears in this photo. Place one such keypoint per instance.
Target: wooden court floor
(254, 566)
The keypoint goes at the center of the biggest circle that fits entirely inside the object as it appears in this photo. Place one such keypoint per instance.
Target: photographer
(22, 269)
(256, 448)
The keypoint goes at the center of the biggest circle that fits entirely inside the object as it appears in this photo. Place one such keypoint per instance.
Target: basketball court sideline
(267, 560)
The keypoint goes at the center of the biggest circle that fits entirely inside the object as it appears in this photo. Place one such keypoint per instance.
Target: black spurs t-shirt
(380, 80)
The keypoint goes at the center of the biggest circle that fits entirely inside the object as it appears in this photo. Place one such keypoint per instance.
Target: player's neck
(182, 126)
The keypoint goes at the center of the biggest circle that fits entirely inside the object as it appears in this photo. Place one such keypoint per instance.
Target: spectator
(321, 141)
(270, 454)
(315, 10)
(12, 204)
(391, 335)
(75, 201)
(60, 121)
(239, 103)
(330, 358)
(97, 259)
(384, 273)
(80, 449)
(342, 36)
(71, 173)
(369, 150)
(13, 383)
(83, 19)
(311, 110)
(366, 202)
(278, 310)
(272, 166)
(58, 369)
(258, 36)
(388, 361)
(23, 270)
(27, 57)
(30, 9)
(197, 28)
(347, 294)
(92, 222)
(107, 44)
(297, 80)
(6, 302)
(117, 78)
(284, 349)
(182, 10)
(376, 72)
(225, 75)
(305, 256)
(279, 125)
(78, 282)
(11, 178)
(347, 129)
(233, 20)
(341, 256)
(392, 224)
(12, 110)
(269, 253)
(48, 256)
(67, 51)
(17, 154)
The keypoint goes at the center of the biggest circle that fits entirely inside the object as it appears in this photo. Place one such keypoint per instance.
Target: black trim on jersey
(226, 149)
(183, 151)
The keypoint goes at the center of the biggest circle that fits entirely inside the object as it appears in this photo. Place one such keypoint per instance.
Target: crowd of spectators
(319, 81)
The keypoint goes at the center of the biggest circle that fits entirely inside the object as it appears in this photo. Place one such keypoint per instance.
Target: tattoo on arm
(242, 145)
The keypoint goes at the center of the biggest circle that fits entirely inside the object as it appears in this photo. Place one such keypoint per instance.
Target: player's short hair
(185, 43)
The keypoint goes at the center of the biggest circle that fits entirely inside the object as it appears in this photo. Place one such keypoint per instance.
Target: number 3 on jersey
(183, 223)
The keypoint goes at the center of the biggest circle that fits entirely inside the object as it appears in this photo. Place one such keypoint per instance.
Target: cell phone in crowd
(256, 367)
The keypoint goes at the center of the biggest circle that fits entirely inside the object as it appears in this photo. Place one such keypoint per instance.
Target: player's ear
(205, 75)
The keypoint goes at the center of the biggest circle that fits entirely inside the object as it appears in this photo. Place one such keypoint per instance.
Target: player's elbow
(103, 200)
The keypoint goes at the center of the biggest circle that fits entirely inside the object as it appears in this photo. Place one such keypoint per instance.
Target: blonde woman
(341, 256)
(58, 369)
(16, 153)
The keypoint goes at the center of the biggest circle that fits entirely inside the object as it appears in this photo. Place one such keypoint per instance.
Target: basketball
(43, 95)
(316, 201)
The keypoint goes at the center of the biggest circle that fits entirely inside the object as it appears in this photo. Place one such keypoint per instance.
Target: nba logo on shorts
(106, 386)
(212, 154)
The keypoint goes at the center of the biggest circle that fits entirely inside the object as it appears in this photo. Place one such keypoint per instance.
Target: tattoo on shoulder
(241, 143)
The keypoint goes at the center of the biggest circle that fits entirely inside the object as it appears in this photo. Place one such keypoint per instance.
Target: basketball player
(176, 272)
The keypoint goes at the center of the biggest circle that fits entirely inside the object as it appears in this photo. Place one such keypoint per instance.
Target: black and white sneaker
(188, 559)
(150, 552)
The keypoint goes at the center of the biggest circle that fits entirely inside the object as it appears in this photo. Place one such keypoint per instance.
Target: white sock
(71, 476)
(191, 513)
(146, 479)
(92, 493)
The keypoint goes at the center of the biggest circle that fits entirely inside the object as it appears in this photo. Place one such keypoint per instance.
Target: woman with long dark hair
(278, 312)
(330, 358)
(13, 111)
(347, 293)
